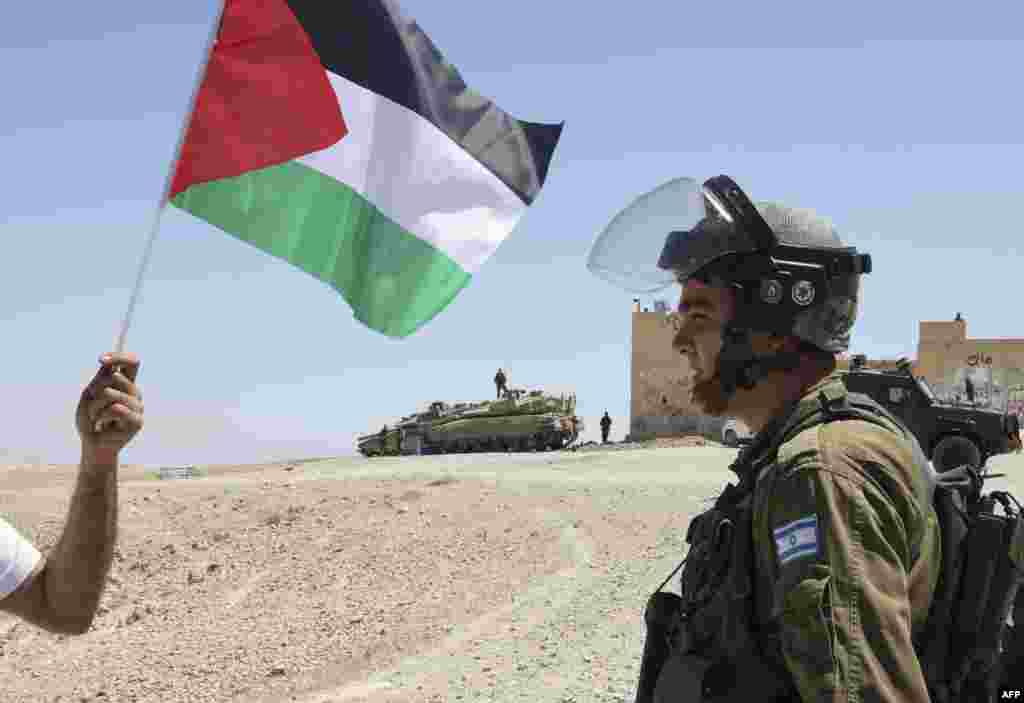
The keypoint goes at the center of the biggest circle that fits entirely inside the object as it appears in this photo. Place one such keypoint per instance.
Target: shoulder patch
(797, 539)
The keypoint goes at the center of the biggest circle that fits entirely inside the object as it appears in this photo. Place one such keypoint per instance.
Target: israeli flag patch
(797, 539)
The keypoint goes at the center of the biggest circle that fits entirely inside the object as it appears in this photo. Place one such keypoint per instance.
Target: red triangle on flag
(265, 98)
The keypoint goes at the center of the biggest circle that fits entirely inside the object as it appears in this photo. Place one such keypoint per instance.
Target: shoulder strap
(831, 406)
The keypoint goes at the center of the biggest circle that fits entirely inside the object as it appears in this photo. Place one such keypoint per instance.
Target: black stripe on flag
(372, 44)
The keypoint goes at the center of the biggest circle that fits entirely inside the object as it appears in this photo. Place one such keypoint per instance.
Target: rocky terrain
(493, 577)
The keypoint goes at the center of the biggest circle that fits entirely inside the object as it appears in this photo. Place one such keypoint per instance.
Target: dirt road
(516, 577)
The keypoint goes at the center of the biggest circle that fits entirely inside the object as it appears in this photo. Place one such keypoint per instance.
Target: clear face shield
(666, 235)
(627, 251)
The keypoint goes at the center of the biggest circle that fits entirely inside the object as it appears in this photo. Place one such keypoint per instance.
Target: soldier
(501, 382)
(606, 427)
(811, 578)
(1013, 431)
(61, 591)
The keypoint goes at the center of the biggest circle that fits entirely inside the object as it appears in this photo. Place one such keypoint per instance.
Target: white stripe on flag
(418, 176)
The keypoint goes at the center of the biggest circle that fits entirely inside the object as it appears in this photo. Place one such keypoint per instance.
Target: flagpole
(162, 204)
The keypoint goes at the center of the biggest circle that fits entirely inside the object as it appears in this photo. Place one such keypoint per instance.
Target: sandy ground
(517, 577)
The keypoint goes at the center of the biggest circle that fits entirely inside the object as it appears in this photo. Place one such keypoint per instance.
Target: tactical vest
(708, 636)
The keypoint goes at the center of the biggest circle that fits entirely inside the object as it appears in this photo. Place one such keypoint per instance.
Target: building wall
(660, 384)
(949, 359)
(946, 357)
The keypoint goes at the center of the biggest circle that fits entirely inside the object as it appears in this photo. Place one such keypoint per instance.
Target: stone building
(992, 369)
(660, 381)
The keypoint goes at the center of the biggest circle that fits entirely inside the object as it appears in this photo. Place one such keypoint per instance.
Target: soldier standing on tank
(606, 427)
(501, 382)
(831, 547)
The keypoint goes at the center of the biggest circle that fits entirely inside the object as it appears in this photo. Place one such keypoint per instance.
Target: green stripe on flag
(394, 281)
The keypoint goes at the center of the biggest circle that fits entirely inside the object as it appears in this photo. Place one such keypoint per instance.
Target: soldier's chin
(708, 396)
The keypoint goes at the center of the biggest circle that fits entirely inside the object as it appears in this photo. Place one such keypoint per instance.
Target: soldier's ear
(768, 344)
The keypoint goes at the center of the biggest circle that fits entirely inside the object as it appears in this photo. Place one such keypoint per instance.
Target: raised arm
(62, 592)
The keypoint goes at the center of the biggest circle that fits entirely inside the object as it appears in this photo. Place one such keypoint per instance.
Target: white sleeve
(17, 559)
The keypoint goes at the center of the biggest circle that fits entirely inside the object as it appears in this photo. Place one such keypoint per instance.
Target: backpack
(962, 647)
(962, 641)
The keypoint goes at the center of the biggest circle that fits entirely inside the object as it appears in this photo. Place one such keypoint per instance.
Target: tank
(520, 421)
(385, 443)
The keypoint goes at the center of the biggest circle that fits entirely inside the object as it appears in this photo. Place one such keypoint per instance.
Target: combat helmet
(791, 273)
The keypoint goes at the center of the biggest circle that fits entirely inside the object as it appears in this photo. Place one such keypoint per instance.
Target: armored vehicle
(950, 434)
(520, 421)
(383, 443)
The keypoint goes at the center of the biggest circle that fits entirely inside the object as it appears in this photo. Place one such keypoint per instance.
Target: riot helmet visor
(667, 235)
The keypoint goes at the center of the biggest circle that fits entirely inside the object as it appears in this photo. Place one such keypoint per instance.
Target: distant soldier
(1015, 441)
(606, 427)
(501, 382)
(969, 387)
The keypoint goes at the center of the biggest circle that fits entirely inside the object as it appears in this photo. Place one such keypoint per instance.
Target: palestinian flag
(334, 135)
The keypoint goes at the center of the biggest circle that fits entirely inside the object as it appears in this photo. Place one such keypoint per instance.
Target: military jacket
(847, 553)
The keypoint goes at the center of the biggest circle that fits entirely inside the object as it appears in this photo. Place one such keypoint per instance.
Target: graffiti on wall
(980, 382)
(663, 392)
(664, 407)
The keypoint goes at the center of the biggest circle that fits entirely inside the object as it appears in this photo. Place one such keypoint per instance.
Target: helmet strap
(740, 367)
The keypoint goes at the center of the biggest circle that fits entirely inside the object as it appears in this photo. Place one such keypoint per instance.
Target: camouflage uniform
(847, 553)
(844, 560)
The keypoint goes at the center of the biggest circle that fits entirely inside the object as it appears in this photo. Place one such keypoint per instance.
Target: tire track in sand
(429, 674)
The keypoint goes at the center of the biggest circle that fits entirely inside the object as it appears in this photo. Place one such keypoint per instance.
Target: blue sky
(900, 122)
